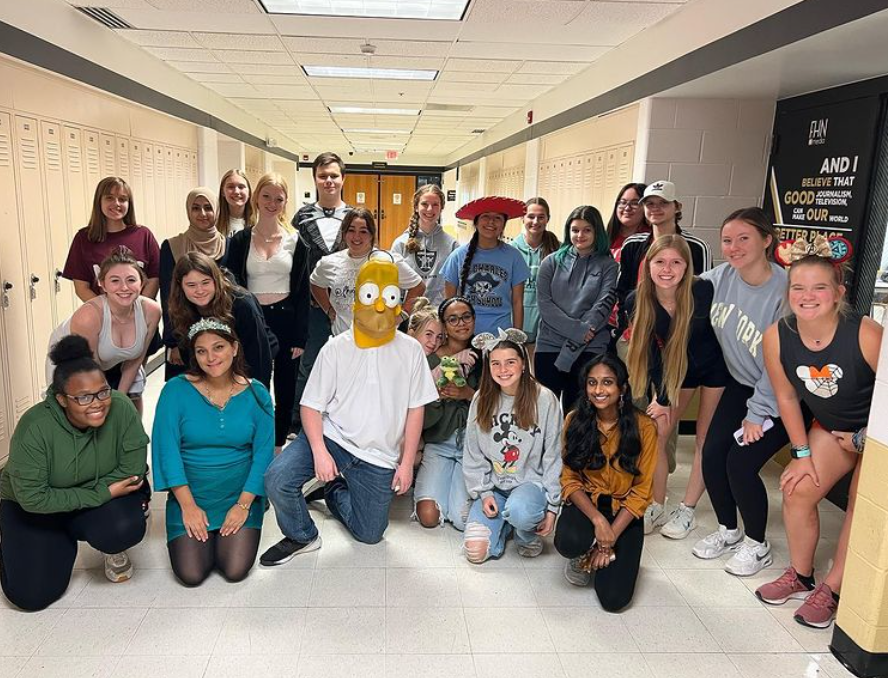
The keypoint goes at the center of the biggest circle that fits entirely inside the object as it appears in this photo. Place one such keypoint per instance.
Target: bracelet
(859, 439)
(800, 452)
(245, 506)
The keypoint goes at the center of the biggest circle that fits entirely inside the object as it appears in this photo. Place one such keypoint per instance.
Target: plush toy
(451, 373)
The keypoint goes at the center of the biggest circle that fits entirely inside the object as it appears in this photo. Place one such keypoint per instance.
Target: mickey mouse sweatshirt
(507, 456)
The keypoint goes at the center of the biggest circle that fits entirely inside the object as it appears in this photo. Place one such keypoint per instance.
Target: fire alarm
(529, 117)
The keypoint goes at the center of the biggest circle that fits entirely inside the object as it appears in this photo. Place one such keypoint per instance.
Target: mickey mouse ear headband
(836, 249)
(486, 341)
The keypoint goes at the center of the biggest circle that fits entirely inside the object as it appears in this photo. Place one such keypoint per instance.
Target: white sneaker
(681, 522)
(574, 574)
(531, 549)
(718, 543)
(118, 567)
(751, 557)
(654, 516)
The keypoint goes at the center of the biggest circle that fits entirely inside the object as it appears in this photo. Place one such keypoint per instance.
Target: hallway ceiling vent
(104, 16)
(448, 107)
(478, 131)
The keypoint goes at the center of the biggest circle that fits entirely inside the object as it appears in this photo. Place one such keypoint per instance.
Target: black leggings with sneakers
(38, 549)
(731, 471)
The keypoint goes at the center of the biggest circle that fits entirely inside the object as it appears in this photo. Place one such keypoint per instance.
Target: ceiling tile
(159, 38)
(532, 13)
(216, 77)
(180, 54)
(286, 91)
(269, 69)
(467, 87)
(226, 89)
(239, 56)
(265, 79)
(553, 67)
(216, 6)
(526, 92)
(468, 76)
(200, 67)
(486, 49)
(112, 4)
(535, 79)
(244, 41)
(316, 45)
(489, 65)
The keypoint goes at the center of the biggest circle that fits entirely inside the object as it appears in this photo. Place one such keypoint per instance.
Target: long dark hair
(591, 216)
(97, 229)
(525, 405)
(183, 314)
(550, 241)
(613, 224)
(238, 364)
(582, 438)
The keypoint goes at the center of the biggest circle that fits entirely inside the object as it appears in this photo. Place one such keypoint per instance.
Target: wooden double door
(388, 196)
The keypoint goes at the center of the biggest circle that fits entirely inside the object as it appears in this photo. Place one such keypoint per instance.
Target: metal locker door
(136, 175)
(92, 152)
(108, 150)
(149, 208)
(160, 193)
(79, 205)
(13, 290)
(37, 248)
(175, 212)
(61, 291)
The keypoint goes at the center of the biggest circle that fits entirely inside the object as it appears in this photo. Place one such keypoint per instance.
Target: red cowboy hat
(511, 207)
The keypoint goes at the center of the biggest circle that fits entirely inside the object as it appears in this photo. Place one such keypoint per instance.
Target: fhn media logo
(817, 132)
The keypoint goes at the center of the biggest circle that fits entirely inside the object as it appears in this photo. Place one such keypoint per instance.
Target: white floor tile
(440, 630)
(553, 590)
(668, 629)
(578, 629)
(239, 666)
(712, 588)
(771, 665)
(347, 587)
(334, 631)
(161, 667)
(691, 666)
(69, 667)
(408, 544)
(421, 587)
(10, 667)
(518, 666)
(811, 640)
(492, 630)
(273, 587)
(261, 631)
(612, 665)
(178, 632)
(747, 630)
(655, 589)
(339, 549)
(21, 634)
(490, 588)
(365, 666)
(92, 632)
(430, 666)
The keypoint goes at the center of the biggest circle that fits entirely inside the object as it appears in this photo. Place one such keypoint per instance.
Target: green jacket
(54, 467)
(444, 417)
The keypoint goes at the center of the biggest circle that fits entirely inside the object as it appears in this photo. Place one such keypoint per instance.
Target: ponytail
(467, 264)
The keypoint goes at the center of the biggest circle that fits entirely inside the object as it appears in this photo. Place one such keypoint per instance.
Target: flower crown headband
(835, 248)
(208, 324)
(486, 341)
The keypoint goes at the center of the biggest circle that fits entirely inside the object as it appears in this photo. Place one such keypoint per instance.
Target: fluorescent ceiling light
(369, 72)
(374, 111)
(448, 10)
(376, 131)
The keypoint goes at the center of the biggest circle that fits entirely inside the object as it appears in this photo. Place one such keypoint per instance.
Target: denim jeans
(359, 497)
(440, 478)
(521, 509)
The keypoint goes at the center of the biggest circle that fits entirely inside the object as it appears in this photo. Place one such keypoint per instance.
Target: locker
(79, 200)
(13, 290)
(160, 193)
(172, 210)
(136, 175)
(37, 245)
(107, 146)
(149, 207)
(93, 164)
(55, 206)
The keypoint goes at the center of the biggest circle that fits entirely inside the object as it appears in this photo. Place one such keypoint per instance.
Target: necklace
(267, 239)
(124, 320)
(208, 394)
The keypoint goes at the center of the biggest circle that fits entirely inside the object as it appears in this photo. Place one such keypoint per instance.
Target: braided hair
(413, 227)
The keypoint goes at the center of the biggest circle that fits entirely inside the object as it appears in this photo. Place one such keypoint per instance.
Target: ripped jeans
(521, 509)
(440, 478)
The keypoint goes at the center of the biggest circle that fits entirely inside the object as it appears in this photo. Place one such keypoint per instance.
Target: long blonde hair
(675, 352)
(276, 180)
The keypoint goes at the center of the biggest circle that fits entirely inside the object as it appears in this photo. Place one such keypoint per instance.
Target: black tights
(731, 471)
(565, 385)
(233, 556)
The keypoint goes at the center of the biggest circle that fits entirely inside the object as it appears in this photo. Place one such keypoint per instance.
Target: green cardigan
(54, 467)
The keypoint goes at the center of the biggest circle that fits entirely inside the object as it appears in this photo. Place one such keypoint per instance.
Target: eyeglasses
(454, 320)
(87, 398)
(628, 204)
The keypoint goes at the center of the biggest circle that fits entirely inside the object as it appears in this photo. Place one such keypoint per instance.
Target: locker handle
(33, 286)
(4, 297)
(34, 279)
(7, 286)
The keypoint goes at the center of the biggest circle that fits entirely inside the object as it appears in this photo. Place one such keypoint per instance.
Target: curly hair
(582, 439)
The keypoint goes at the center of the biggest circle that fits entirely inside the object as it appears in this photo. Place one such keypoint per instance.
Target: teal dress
(217, 453)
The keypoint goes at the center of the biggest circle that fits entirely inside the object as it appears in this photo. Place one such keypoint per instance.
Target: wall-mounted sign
(396, 198)
(451, 196)
(360, 198)
(819, 175)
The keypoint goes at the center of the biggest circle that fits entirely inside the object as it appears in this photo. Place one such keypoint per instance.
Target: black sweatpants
(37, 550)
(731, 471)
(279, 318)
(574, 536)
(565, 385)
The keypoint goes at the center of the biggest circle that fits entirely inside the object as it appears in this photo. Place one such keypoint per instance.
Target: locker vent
(74, 157)
(4, 149)
(104, 16)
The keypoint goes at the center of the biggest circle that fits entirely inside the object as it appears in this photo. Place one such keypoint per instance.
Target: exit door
(389, 197)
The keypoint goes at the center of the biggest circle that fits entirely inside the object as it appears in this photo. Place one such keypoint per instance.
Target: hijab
(211, 242)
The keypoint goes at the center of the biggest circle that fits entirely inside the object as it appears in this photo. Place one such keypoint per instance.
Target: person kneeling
(213, 440)
(76, 465)
(610, 453)
(363, 404)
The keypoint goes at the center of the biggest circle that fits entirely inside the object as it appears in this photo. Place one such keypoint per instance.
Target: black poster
(819, 177)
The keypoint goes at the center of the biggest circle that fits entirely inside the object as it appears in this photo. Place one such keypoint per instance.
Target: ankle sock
(807, 581)
(835, 597)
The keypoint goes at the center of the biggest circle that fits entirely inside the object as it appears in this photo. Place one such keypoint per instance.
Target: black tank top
(836, 383)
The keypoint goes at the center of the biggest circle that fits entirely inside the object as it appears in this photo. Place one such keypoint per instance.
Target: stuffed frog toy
(451, 373)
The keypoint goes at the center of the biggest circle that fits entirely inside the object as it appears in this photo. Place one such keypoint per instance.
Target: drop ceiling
(501, 55)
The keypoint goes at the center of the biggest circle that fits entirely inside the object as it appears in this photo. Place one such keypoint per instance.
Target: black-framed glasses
(626, 204)
(87, 398)
(454, 320)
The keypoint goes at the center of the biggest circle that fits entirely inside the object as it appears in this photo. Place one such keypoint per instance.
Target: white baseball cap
(660, 189)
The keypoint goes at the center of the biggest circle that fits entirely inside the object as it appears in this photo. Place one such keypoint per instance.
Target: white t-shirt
(329, 229)
(364, 394)
(337, 274)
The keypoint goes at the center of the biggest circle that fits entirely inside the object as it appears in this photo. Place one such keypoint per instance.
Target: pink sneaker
(783, 588)
(819, 608)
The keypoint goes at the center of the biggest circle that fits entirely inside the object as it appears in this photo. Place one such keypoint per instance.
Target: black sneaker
(285, 549)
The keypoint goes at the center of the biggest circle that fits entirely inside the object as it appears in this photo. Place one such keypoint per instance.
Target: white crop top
(272, 275)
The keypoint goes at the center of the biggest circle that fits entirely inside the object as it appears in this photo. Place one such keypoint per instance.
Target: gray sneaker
(681, 522)
(118, 567)
(531, 549)
(575, 575)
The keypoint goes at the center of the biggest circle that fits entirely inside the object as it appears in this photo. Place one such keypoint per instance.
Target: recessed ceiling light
(369, 73)
(376, 131)
(374, 111)
(450, 10)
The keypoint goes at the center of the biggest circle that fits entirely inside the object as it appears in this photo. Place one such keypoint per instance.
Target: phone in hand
(767, 425)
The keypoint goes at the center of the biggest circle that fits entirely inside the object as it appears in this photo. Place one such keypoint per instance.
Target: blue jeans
(359, 497)
(440, 479)
(521, 509)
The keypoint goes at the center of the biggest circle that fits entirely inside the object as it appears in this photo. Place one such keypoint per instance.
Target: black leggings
(565, 385)
(731, 471)
(233, 556)
(574, 536)
(279, 318)
(37, 550)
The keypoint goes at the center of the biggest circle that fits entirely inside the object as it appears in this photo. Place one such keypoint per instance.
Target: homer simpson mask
(377, 308)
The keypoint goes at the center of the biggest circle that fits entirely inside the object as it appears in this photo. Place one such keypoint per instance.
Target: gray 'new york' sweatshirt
(740, 315)
(507, 456)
